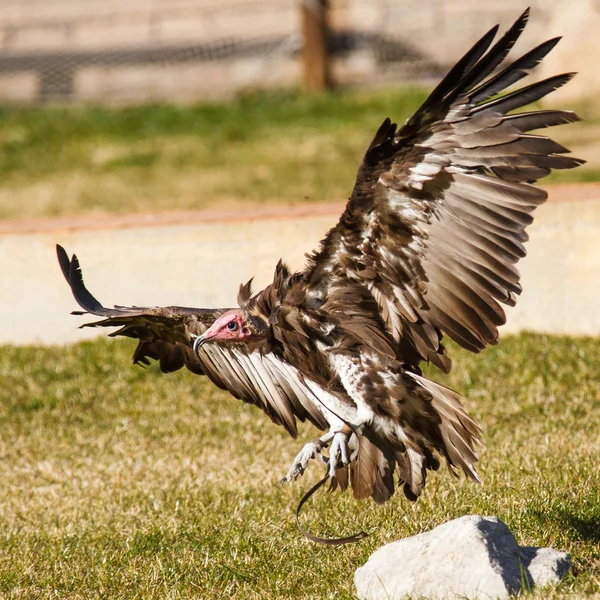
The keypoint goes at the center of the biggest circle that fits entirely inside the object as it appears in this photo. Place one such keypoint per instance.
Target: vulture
(426, 247)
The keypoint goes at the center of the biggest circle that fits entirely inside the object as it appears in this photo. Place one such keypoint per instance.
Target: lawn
(260, 148)
(120, 482)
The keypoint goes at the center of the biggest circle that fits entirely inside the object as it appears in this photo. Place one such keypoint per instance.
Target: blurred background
(130, 105)
(180, 147)
(138, 51)
(124, 122)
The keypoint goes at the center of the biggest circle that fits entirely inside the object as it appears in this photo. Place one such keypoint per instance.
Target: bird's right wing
(166, 334)
(436, 222)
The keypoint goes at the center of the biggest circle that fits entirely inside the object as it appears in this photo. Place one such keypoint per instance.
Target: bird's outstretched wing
(436, 221)
(166, 334)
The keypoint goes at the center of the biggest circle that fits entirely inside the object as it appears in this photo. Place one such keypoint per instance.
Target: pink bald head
(233, 326)
(229, 326)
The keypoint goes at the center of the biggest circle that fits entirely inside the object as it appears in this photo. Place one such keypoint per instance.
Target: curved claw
(343, 450)
(309, 451)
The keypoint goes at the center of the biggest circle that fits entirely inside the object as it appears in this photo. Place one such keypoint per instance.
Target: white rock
(469, 558)
(545, 565)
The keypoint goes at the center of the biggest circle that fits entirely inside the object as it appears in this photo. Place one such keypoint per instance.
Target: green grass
(278, 147)
(119, 482)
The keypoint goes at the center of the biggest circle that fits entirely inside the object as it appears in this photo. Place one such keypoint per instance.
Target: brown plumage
(426, 247)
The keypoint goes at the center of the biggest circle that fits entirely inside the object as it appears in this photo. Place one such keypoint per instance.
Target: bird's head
(233, 326)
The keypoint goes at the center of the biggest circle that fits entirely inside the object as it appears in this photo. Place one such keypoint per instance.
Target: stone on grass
(469, 558)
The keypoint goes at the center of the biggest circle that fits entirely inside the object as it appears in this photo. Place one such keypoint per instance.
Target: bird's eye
(232, 325)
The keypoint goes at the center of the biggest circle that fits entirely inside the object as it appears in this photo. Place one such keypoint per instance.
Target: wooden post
(315, 45)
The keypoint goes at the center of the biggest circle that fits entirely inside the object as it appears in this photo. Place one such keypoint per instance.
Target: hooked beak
(199, 342)
(211, 333)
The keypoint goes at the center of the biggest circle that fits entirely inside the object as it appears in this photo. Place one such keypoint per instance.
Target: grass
(259, 148)
(119, 482)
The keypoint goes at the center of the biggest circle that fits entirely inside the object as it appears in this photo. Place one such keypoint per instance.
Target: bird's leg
(343, 449)
(310, 450)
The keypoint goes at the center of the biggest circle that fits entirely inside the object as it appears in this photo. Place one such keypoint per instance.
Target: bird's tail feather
(461, 434)
(371, 474)
(431, 420)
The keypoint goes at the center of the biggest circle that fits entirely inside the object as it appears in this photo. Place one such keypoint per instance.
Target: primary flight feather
(426, 247)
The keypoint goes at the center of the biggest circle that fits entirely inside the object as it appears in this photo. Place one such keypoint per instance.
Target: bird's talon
(308, 452)
(340, 454)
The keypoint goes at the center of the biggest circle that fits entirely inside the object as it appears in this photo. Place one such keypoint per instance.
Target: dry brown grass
(125, 483)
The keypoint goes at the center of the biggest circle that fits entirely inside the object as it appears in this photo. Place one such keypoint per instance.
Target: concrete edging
(200, 258)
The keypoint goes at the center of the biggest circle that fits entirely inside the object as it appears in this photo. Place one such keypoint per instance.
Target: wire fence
(130, 51)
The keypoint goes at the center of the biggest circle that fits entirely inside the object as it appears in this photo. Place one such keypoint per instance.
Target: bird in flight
(426, 247)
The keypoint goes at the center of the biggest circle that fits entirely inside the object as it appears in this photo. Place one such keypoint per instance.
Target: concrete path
(200, 258)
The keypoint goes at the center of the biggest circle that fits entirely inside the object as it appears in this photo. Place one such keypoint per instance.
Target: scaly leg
(310, 450)
(343, 449)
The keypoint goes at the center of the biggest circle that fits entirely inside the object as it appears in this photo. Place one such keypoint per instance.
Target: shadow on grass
(588, 529)
(580, 528)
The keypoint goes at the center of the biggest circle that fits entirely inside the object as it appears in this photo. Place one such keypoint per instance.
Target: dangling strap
(319, 540)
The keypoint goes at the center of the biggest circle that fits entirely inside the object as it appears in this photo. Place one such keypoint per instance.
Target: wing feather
(439, 211)
(165, 334)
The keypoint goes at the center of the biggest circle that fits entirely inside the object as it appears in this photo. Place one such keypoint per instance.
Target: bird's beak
(199, 342)
(211, 333)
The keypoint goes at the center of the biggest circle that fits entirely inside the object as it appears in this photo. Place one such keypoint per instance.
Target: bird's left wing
(437, 217)
(166, 334)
